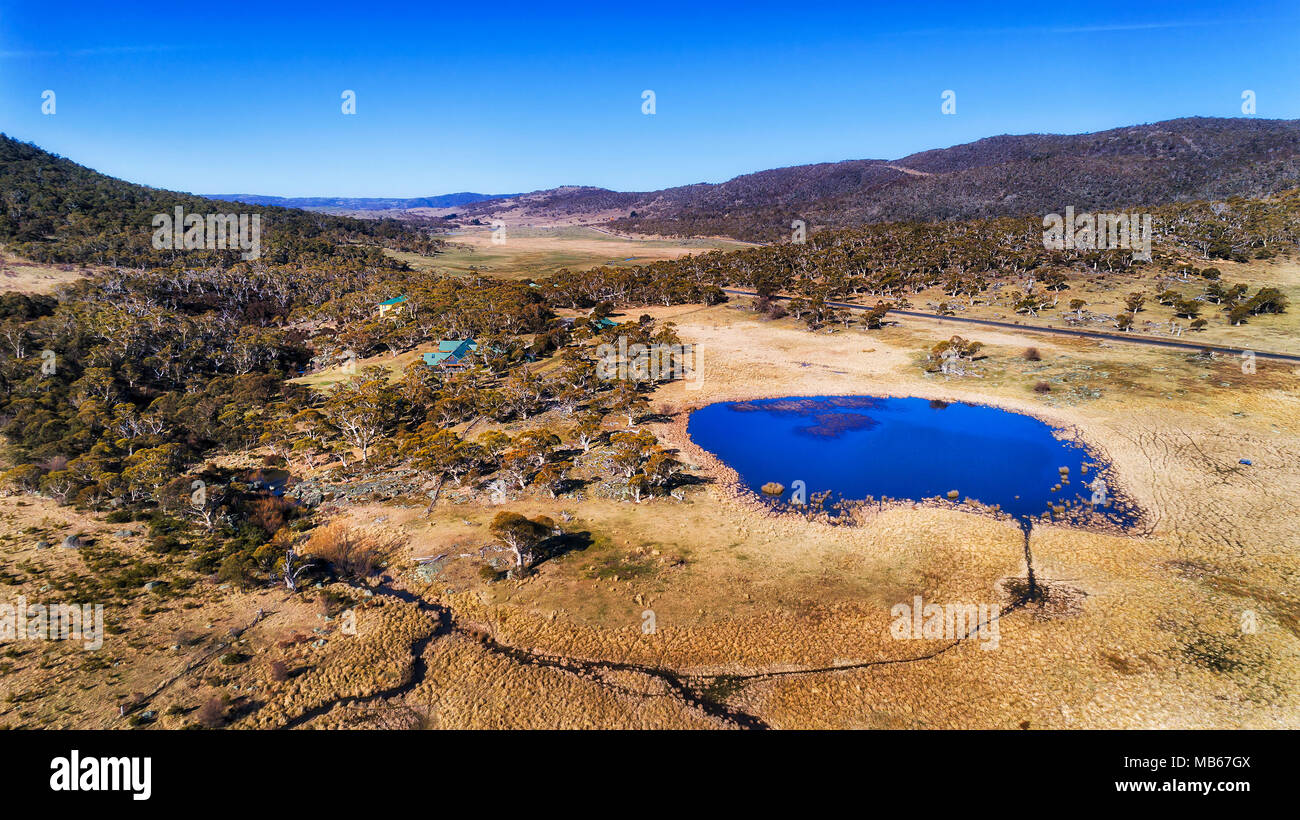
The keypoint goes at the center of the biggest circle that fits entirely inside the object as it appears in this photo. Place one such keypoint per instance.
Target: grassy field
(22, 276)
(782, 620)
(1105, 293)
(396, 365)
(538, 252)
(1144, 629)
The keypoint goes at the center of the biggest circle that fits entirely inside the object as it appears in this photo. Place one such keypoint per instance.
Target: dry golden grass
(1149, 628)
(171, 645)
(1105, 294)
(396, 365)
(539, 252)
(1145, 630)
(22, 276)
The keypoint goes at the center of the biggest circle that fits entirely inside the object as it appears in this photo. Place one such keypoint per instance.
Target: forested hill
(54, 210)
(1168, 162)
(1183, 160)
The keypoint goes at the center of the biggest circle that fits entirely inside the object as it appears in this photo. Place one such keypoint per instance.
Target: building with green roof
(451, 353)
(394, 304)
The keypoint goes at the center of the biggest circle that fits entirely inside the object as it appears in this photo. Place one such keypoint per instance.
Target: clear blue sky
(245, 98)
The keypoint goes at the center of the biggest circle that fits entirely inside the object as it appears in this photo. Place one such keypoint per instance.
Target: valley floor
(762, 620)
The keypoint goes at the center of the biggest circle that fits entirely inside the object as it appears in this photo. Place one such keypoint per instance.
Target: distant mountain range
(1029, 175)
(311, 203)
(1179, 160)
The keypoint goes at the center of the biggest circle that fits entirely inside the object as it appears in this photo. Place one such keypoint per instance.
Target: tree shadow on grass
(560, 545)
(690, 480)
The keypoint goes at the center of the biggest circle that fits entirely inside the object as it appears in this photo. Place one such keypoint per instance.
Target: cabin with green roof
(394, 304)
(451, 354)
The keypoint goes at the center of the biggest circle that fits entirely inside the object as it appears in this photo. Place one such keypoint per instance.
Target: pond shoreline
(735, 491)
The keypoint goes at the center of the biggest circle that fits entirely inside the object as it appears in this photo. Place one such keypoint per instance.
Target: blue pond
(860, 447)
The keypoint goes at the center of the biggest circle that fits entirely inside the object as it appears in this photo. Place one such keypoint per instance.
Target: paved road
(1060, 331)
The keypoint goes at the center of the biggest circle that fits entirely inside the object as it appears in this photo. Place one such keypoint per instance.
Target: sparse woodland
(989, 260)
(126, 389)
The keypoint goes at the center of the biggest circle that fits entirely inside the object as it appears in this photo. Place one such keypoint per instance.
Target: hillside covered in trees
(54, 210)
(120, 393)
(969, 259)
(1183, 160)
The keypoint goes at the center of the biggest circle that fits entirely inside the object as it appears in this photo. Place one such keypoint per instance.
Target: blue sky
(491, 97)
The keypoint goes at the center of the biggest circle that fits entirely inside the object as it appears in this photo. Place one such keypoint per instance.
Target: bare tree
(293, 569)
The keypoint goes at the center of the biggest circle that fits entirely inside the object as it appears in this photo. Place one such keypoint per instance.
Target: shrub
(332, 603)
(351, 552)
(1042, 387)
(236, 569)
(270, 513)
(1031, 354)
(162, 525)
(961, 347)
(166, 544)
(25, 478)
